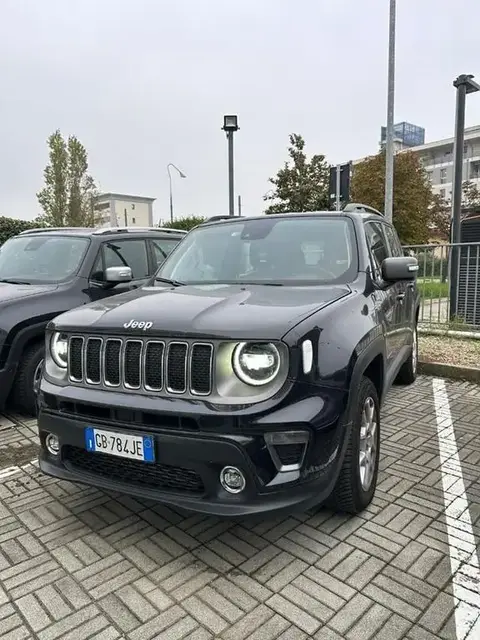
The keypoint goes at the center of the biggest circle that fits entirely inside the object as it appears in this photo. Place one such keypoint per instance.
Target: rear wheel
(357, 481)
(408, 370)
(27, 381)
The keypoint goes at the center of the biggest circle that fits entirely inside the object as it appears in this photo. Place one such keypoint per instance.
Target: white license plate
(120, 444)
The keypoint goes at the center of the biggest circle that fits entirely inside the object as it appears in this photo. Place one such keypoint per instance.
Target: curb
(452, 371)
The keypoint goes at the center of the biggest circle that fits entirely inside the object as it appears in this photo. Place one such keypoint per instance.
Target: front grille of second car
(133, 364)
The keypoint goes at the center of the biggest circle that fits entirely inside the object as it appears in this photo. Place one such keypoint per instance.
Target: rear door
(409, 288)
(386, 295)
(128, 252)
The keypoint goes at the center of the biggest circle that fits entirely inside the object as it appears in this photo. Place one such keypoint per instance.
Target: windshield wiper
(13, 281)
(174, 283)
(260, 284)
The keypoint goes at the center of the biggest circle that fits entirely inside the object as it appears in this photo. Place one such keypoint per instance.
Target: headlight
(256, 363)
(59, 349)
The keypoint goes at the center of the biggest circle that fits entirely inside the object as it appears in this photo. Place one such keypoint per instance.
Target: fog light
(53, 444)
(232, 479)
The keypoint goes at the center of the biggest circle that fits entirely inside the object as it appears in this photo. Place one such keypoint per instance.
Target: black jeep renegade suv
(246, 376)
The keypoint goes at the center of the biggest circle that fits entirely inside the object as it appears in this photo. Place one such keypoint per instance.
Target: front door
(120, 253)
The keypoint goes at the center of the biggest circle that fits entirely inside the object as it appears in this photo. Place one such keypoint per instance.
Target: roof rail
(358, 207)
(47, 229)
(106, 230)
(221, 217)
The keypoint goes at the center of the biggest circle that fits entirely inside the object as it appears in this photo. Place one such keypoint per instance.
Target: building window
(465, 149)
(443, 176)
(443, 193)
(133, 206)
(133, 220)
(475, 170)
(101, 206)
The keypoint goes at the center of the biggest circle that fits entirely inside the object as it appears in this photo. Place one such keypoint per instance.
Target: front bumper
(186, 472)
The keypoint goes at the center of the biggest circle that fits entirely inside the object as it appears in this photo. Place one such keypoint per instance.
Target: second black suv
(44, 272)
(247, 376)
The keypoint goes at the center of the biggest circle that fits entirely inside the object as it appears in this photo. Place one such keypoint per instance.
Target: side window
(396, 250)
(123, 253)
(378, 246)
(162, 248)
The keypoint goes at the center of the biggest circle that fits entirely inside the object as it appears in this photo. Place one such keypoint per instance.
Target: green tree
(302, 184)
(415, 210)
(470, 195)
(10, 227)
(442, 209)
(185, 224)
(68, 197)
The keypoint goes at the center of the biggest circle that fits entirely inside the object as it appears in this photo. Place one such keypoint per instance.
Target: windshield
(41, 259)
(301, 250)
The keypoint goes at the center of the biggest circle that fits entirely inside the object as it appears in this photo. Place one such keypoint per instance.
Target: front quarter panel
(341, 336)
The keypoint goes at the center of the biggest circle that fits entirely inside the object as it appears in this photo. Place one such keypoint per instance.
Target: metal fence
(444, 306)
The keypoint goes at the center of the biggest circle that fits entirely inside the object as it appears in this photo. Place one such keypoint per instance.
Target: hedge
(11, 227)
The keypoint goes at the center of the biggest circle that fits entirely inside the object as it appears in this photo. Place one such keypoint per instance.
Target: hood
(11, 292)
(214, 311)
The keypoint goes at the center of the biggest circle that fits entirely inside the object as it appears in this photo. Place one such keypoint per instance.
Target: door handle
(401, 296)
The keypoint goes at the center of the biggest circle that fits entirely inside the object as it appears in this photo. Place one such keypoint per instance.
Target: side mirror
(395, 269)
(115, 275)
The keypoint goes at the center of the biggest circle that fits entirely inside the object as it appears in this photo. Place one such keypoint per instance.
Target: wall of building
(131, 214)
(120, 212)
(438, 163)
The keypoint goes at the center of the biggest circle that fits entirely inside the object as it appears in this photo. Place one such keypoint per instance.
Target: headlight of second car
(59, 349)
(256, 363)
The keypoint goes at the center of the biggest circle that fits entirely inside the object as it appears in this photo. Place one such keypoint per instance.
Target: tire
(408, 370)
(24, 398)
(354, 489)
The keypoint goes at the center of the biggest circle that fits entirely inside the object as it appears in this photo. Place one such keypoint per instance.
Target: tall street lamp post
(182, 175)
(464, 85)
(230, 125)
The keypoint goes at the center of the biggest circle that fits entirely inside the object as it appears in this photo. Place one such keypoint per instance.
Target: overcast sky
(146, 82)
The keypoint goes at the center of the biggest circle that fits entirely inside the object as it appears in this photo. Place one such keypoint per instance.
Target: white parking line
(11, 471)
(461, 540)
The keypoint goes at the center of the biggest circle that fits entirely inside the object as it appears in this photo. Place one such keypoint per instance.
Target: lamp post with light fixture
(182, 175)
(230, 125)
(464, 84)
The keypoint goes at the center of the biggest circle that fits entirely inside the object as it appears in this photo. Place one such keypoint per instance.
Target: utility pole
(389, 151)
(239, 205)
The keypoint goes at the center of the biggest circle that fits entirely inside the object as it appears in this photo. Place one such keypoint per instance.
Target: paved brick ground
(76, 563)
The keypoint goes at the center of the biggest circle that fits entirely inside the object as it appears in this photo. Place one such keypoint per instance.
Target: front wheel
(357, 481)
(27, 382)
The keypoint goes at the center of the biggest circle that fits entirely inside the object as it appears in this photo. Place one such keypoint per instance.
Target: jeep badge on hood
(134, 324)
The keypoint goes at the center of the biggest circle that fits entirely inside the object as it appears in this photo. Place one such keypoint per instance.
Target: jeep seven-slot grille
(173, 366)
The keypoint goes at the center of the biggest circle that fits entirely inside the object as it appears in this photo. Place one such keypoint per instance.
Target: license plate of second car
(123, 445)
